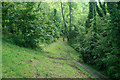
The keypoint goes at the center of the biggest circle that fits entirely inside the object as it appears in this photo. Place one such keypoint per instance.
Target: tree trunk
(63, 39)
(94, 16)
(90, 15)
(103, 7)
(68, 38)
(64, 32)
(98, 11)
(39, 4)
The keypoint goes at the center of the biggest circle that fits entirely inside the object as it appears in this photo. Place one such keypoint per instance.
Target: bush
(97, 48)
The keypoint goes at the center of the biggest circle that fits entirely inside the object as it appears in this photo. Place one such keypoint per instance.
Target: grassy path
(86, 68)
(58, 60)
(74, 58)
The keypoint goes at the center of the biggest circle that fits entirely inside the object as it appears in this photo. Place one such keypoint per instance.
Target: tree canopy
(92, 29)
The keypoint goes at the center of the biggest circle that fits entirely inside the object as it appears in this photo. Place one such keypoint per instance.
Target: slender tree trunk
(70, 14)
(70, 21)
(98, 11)
(94, 16)
(103, 7)
(55, 11)
(90, 15)
(39, 4)
(63, 14)
(64, 31)
(3, 21)
(63, 39)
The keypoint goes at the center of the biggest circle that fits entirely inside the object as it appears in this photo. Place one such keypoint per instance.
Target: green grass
(61, 50)
(19, 62)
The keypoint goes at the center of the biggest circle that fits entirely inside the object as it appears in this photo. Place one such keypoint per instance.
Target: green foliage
(101, 46)
(95, 36)
(19, 62)
(27, 26)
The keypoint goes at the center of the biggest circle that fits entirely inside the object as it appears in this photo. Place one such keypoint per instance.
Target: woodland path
(76, 63)
(57, 60)
(88, 69)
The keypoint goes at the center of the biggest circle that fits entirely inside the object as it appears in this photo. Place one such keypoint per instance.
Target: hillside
(58, 60)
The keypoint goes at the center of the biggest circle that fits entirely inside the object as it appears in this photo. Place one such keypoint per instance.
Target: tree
(90, 15)
(65, 26)
(70, 26)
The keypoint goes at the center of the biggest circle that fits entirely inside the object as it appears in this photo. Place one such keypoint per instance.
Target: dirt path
(89, 70)
(57, 58)
(67, 55)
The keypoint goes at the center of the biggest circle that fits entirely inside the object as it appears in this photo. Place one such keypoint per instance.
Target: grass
(19, 62)
(59, 49)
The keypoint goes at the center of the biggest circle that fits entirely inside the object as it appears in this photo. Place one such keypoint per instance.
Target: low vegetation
(31, 33)
(21, 62)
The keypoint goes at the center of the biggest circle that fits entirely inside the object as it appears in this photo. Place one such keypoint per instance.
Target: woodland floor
(57, 60)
